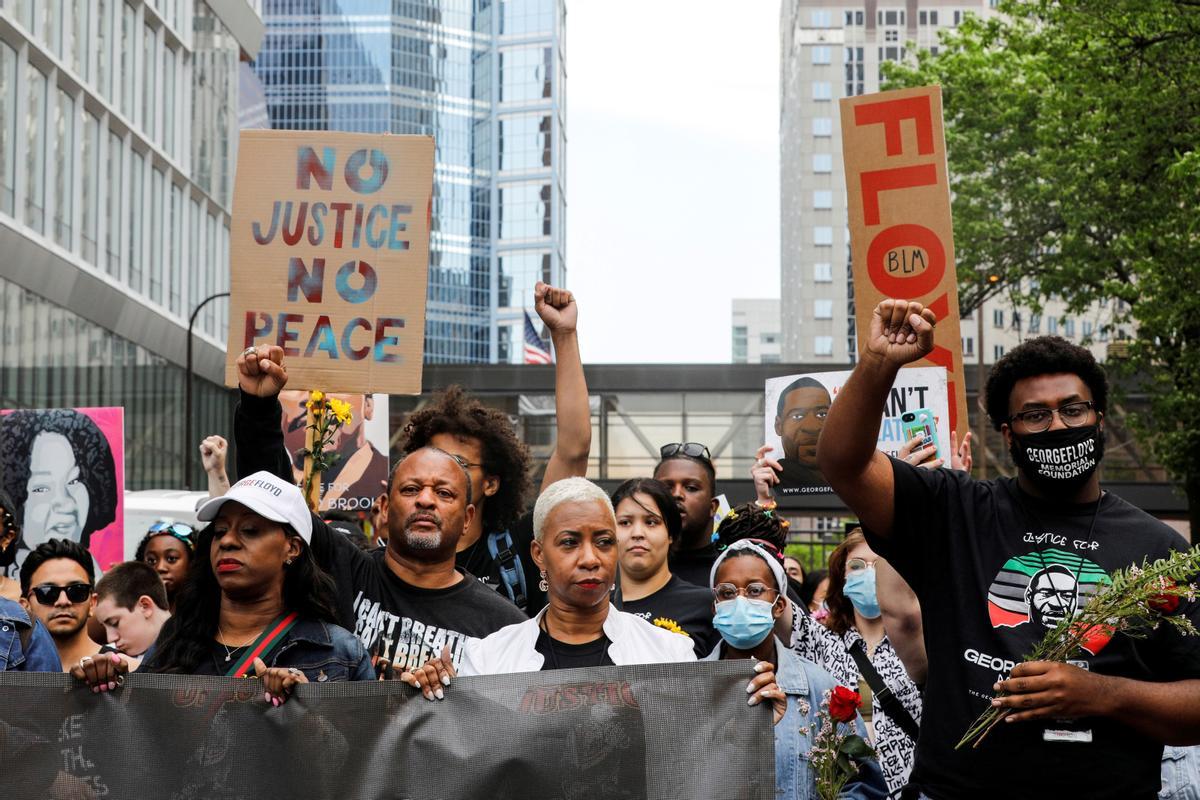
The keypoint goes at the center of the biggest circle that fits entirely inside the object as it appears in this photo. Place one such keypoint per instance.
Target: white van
(143, 509)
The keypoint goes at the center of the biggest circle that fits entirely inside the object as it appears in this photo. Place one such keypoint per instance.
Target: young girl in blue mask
(748, 584)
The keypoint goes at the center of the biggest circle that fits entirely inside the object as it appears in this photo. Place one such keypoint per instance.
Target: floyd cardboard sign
(898, 193)
(329, 257)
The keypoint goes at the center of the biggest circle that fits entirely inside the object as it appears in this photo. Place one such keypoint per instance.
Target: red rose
(1165, 603)
(844, 704)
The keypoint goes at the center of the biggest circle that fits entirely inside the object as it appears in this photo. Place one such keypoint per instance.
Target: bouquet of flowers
(1136, 602)
(326, 416)
(836, 745)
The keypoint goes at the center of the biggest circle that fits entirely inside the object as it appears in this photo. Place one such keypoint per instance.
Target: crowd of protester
(468, 571)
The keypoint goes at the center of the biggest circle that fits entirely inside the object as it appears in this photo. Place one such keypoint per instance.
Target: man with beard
(1092, 728)
(56, 590)
(407, 601)
(799, 417)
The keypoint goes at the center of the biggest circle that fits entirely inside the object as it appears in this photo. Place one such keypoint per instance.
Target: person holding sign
(993, 562)
(407, 602)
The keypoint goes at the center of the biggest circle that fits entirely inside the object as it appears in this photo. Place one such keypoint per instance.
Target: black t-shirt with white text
(477, 560)
(993, 567)
(403, 623)
(683, 605)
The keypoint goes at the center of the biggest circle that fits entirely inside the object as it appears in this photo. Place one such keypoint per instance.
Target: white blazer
(632, 641)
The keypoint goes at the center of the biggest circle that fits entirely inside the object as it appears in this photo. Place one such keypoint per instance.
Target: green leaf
(856, 748)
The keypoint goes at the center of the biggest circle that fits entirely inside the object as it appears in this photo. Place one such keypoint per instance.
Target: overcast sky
(672, 172)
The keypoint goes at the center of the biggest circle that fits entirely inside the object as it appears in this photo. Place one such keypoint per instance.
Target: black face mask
(1059, 460)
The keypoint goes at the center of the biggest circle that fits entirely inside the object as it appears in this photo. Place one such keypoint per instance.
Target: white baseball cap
(269, 497)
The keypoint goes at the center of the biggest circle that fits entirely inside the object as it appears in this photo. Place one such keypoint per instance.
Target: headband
(761, 552)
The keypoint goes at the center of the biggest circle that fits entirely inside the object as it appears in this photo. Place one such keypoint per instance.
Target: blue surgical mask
(744, 623)
(860, 588)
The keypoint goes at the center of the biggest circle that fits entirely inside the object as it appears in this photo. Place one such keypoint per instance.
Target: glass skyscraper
(485, 78)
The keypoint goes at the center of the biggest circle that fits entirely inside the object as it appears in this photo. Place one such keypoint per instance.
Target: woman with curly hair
(59, 471)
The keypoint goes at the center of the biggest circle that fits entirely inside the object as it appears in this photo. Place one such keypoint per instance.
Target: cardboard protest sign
(64, 469)
(329, 257)
(796, 407)
(361, 471)
(901, 237)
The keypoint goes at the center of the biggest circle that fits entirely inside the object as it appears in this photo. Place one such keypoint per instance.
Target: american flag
(536, 351)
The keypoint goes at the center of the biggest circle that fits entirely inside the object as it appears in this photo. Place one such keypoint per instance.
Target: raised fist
(261, 371)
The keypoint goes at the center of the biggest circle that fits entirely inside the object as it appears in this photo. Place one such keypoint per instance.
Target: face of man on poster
(801, 417)
(349, 437)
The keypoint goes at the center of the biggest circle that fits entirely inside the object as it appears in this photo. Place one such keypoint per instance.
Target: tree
(1072, 129)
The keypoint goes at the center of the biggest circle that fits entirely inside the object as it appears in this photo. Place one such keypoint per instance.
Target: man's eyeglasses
(47, 593)
(462, 462)
(1037, 420)
(724, 592)
(689, 449)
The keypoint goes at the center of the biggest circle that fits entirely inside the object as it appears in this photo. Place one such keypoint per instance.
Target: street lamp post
(187, 393)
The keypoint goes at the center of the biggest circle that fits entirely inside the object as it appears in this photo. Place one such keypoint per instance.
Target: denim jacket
(1180, 773)
(42, 655)
(324, 653)
(805, 684)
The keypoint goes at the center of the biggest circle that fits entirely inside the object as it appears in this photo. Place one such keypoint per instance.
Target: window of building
(1104, 333)
(822, 235)
(155, 264)
(1035, 323)
(822, 309)
(64, 159)
(822, 199)
(1088, 327)
(822, 90)
(137, 187)
(820, 55)
(1016, 320)
(854, 71)
(112, 204)
(35, 149)
(822, 162)
(968, 346)
(168, 134)
(91, 185)
(1069, 328)
(997, 351)
(771, 358)
(997, 318)
(8, 128)
(891, 35)
(823, 345)
(150, 73)
(1052, 325)
(822, 126)
(823, 272)
(768, 338)
(740, 344)
(822, 19)
(127, 50)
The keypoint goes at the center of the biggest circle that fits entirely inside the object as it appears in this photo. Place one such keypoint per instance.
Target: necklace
(229, 651)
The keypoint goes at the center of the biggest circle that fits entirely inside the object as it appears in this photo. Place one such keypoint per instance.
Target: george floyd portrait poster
(361, 471)
(796, 407)
(64, 471)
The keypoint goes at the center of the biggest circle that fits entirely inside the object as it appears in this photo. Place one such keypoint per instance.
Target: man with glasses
(688, 472)
(994, 562)
(56, 589)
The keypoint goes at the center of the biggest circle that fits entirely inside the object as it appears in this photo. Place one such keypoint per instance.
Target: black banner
(664, 731)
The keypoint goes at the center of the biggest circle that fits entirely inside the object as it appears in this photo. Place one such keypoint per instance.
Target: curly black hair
(1045, 355)
(752, 521)
(504, 455)
(94, 457)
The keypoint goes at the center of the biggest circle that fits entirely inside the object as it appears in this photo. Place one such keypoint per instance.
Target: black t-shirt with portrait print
(681, 605)
(993, 567)
(477, 560)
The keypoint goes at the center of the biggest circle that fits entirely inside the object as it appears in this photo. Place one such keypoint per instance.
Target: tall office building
(756, 336)
(832, 49)
(118, 125)
(485, 78)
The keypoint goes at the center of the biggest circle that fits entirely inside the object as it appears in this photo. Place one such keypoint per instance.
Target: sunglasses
(689, 449)
(180, 530)
(47, 593)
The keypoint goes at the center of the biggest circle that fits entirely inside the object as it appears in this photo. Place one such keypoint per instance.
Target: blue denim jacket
(1180, 773)
(324, 653)
(42, 655)
(805, 684)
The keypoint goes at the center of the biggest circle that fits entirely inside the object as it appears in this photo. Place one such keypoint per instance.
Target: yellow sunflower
(671, 625)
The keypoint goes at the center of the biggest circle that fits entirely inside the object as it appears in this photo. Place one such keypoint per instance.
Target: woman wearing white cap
(575, 548)
(255, 601)
(749, 587)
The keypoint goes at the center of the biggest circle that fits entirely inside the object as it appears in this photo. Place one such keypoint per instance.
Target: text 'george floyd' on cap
(269, 497)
